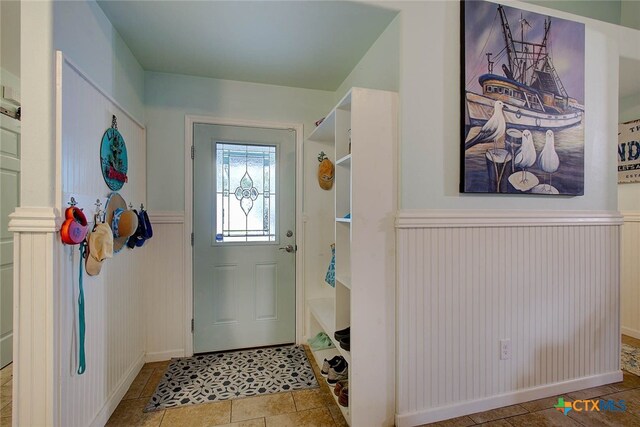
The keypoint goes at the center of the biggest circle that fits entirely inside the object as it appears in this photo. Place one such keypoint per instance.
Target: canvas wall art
(523, 102)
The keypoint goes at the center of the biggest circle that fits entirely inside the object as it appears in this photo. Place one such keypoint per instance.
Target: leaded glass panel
(246, 193)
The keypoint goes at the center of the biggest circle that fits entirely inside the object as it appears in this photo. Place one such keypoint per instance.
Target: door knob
(288, 248)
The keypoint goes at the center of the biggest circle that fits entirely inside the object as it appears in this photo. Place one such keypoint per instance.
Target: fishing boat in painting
(530, 87)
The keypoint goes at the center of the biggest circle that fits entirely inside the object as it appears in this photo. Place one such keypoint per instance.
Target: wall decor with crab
(523, 104)
(113, 157)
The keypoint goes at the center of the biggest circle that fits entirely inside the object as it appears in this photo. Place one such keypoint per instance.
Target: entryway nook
(250, 212)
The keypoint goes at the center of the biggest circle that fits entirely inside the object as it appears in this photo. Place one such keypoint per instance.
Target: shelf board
(345, 220)
(320, 355)
(324, 311)
(345, 280)
(344, 161)
(325, 131)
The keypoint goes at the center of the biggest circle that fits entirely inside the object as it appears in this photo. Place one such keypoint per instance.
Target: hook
(130, 206)
(72, 202)
(321, 156)
(141, 206)
(99, 214)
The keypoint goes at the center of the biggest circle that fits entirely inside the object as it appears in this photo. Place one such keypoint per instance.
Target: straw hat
(100, 242)
(122, 221)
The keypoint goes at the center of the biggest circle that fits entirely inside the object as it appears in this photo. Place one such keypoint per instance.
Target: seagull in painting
(526, 154)
(492, 130)
(548, 160)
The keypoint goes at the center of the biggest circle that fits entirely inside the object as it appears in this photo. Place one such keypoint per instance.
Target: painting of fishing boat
(523, 102)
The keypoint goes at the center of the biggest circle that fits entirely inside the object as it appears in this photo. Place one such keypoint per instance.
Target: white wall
(84, 34)
(114, 303)
(115, 328)
(429, 85)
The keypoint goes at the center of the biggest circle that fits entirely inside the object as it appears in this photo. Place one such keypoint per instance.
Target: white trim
(34, 220)
(99, 89)
(189, 121)
(119, 392)
(503, 218)
(158, 217)
(630, 216)
(160, 356)
(633, 333)
(520, 396)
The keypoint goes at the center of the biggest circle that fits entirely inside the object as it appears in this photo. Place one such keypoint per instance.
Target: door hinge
(192, 323)
(191, 239)
(193, 152)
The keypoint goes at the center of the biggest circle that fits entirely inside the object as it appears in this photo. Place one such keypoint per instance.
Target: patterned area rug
(630, 359)
(222, 376)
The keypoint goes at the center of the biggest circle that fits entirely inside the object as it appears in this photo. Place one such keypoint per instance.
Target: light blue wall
(379, 68)
(603, 10)
(629, 107)
(630, 14)
(169, 97)
(429, 82)
(85, 35)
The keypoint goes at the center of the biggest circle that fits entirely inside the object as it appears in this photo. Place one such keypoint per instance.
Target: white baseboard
(520, 396)
(634, 333)
(163, 355)
(112, 403)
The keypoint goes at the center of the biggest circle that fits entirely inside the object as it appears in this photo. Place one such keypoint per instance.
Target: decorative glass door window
(246, 193)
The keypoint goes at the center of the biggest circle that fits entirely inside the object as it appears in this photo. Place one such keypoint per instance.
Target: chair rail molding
(427, 218)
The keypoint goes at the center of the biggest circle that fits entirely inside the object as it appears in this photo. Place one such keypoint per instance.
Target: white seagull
(548, 160)
(492, 130)
(526, 154)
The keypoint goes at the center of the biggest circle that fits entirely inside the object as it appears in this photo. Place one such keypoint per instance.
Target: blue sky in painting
(482, 26)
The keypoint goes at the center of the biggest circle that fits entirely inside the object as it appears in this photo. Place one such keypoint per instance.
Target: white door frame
(189, 121)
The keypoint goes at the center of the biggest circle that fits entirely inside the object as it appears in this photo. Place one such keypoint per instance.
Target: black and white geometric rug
(228, 375)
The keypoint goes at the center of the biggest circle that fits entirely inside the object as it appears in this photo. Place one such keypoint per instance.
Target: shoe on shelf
(343, 399)
(316, 338)
(345, 343)
(339, 386)
(329, 364)
(338, 335)
(338, 372)
(324, 342)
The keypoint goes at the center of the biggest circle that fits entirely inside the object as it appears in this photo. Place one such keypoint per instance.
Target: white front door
(244, 215)
(9, 200)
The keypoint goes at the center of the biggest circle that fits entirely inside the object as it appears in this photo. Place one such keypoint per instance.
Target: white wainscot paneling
(164, 287)
(630, 274)
(547, 281)
(114, 300)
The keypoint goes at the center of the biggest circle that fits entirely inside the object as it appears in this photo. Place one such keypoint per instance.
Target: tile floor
(315, 407)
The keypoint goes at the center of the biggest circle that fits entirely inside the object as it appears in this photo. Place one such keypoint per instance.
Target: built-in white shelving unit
(360, 136)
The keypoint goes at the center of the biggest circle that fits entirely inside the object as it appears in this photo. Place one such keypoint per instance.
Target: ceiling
(629, 83)
(309, 44)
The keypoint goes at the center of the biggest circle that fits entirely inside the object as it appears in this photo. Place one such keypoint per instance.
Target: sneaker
(329, 364)
(338, 335)
(338, 372)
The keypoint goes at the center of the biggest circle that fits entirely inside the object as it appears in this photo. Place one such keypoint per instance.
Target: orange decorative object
(75, 228)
